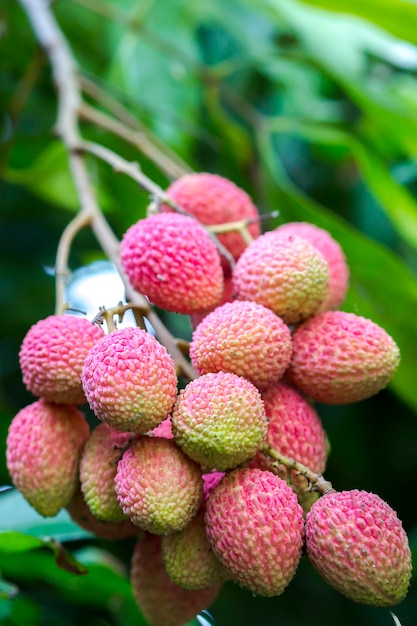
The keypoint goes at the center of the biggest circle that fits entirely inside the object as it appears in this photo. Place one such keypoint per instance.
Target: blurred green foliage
(310, 107)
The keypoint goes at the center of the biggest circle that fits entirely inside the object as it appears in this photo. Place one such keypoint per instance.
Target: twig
(317, 480)
(69, 101)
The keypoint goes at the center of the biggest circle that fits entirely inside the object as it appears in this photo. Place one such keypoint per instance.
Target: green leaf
(382, 287)
(7, 590)
(399, 17)
(17, 515)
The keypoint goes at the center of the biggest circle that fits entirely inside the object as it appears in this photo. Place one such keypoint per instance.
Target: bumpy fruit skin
(244, 338)
(219, 420)
(215, 200)
(339, 358)
(227, 296)
(255, 526)
(358, 545)
(43, 449)
(295, 429)
(52, 356)
(284, 273)
(158, 487)
(98, 466)
(162, 602)
(211, 480)
(81, 514)
(332, 252)
(172, 260)
(129, 380)
(189, 559)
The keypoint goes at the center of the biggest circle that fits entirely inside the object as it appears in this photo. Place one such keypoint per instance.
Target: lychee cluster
(218, 478)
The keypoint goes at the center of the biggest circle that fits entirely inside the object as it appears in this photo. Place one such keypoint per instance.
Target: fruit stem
(317, 481)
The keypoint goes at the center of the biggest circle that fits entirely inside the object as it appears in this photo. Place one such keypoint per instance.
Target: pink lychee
(158, 487)
(162, 602)
(129, 380)
(172, 260)
(294, 429)
(227, 296)
(215, 200)
(340, 357)
(98, 465)
(332, 252)
(284, 273)
(52, 356)
(43, 449)
(358, 545)
(244, 338)
(255, 526)
(219, 420)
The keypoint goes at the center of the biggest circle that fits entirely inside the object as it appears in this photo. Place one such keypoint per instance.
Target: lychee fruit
(164, 429)
(340, 357)
(129, 380)
(287, 274)
(295, 430)
(171, 259)
(255, 527)
(158, 487)
(189, 559)
(160, 600)
(211, 480)
(52, 356)
(43, 449)
(358, 545)
(98, 465)
(219, 420)
(81, 514)
(332, 252)
(244, 338)
(215, 200)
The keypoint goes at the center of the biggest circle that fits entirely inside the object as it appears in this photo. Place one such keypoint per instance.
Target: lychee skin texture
(255, 526)
(244, 338)
(295, 429)
(43, 449)
(81, 514)
(219, 420)
(162, 602)
(98, 466)
(52, 356)
(358, 545)
(158, 487)
(130, 381)
(339, 358)
(189, 559)
(227, 296)
(215, 200)
(172, 260)
(332, 252)
(284, 273)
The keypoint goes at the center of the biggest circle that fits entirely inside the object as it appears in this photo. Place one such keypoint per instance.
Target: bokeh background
(311, 108)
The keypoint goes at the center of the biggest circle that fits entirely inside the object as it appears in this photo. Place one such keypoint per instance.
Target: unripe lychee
(129, 380)
(81, 514)
(189, 559)
(244, 338)
(43, 450)
(215, 200)
(295, 430)
(339, 358)
(255, 526)
(98, 466)
(162, 602)
(52, 357)
(158, 487)
(172, 260)
(284, 273)
(332, 252)
(219, 420)
(358, 545)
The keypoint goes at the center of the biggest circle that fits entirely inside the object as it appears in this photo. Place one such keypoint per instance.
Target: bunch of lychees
(221, 480)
